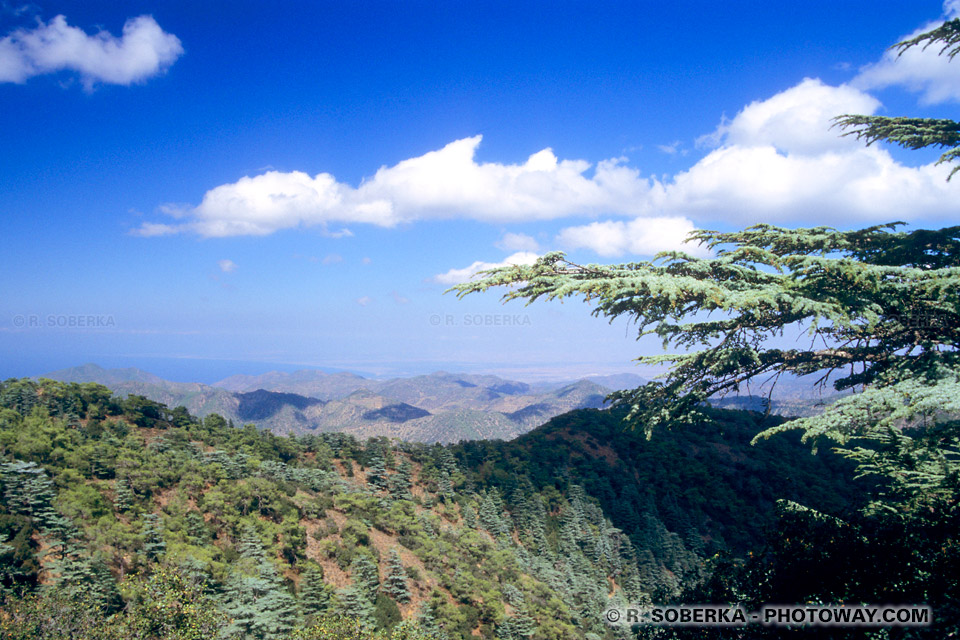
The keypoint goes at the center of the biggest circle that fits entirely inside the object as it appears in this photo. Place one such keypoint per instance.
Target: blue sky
(208, 188)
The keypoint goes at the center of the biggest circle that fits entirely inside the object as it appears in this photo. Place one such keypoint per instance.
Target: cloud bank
(144, 50)
(442, 184)
(777, 160)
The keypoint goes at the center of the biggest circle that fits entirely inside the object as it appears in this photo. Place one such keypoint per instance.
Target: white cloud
(364, 300)
(918, 69)
(332, 258)
(640, 236)
(517, 242)
(671, 149)
(456, 276)
(144, 50)
(447, 183)
(779, 161)
(399, 299)
(227, 266)
(798, 120)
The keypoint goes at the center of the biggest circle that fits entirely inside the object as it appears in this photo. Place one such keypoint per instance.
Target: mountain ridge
(439, 407)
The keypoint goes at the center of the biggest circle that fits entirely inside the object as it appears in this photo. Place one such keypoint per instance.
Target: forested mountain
(440, 407)
(124, 503)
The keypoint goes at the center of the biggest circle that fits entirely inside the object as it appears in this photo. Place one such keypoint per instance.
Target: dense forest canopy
(114, 505)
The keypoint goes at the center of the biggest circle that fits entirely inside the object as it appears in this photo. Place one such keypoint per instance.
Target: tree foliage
(880, 307)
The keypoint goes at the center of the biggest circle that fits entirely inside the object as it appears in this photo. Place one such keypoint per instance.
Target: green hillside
(114, 503)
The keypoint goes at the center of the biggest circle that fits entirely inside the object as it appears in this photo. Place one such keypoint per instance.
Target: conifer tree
(401, 482)
(123, 496)
(352, 603)
(427, 622)
(915, 133)
(27, 490)
(377, 476)
(196, 526)
(395, 584)
(255, 599)
(469, 516)
(365, 576)
(882, 308)
(154, 545)
(314, 593)
(444, 486)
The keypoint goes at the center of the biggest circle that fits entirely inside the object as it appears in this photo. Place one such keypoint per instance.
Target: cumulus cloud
(798, 120)
(918, 69)
(227, 266)
(446, 183)
(142, 51)
(456, 276)
(779, 161)
(517, 242)
(640, 236)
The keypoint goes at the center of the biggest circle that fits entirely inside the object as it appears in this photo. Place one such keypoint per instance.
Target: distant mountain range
(440, 407)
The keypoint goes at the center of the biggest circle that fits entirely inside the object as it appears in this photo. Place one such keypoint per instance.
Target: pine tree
(396, 583)
(123, 496)
(882, 307)
(377, 476)
(469, 516)
(352, 603)
(154, 545)
(255, 599)
(365, 576)
(314, 593)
